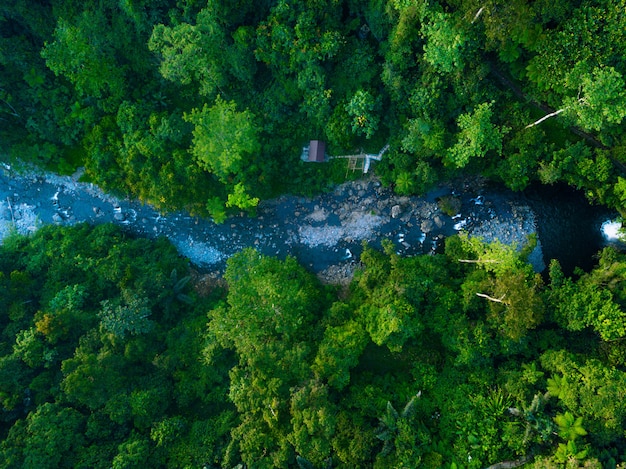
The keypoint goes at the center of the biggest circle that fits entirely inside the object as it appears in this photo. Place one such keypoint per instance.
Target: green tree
(223, 138)
(54, 436)
(444, 41)
(364, 109)
(127, 317)
(240, 199)
(477, 136)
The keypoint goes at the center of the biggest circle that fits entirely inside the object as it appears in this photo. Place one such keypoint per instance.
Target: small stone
(57, 218)
(119, 216)
(396, 210)
(438, 221)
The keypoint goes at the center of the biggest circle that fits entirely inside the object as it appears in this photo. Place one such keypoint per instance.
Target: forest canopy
(206, 105)
(115, 353)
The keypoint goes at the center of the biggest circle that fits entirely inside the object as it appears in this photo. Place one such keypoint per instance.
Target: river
(324, 233)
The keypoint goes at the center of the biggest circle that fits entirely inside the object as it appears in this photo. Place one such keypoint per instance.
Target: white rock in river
(396, 210)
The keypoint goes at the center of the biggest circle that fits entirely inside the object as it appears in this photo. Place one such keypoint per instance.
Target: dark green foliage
(454, 86)
(87, 378)
(107, 359)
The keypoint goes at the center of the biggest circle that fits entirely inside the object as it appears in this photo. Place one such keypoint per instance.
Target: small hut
(315, 152)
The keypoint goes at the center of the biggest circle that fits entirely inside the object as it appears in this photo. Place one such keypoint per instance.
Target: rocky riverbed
(325, 233)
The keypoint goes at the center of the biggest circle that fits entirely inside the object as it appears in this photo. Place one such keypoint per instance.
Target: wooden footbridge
(360, 161)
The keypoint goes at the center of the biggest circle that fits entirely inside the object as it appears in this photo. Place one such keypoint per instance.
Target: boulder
(119, 216)
(396, 211)
(427, 226)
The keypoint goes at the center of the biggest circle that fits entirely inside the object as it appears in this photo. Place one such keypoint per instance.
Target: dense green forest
(205, 104)
(114, 353)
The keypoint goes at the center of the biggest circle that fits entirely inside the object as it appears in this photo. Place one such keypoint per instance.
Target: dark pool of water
(568, 226)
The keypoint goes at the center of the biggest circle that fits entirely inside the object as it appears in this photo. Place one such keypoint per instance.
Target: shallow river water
(326, 231)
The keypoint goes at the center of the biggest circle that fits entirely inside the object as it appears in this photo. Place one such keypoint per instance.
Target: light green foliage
(270, 312)
(582, 304)
(267, 299)
(388, 315)
(478, 135)
(215, 208)
(603, 100)
(444, 42)
(240, 199)
(512, 290)
(339, 351)
(86, 57)
(363, 108)
(313, 421)
(570, 427)
(567, 452)
(588, 389)
(193, 53)
(223, 138)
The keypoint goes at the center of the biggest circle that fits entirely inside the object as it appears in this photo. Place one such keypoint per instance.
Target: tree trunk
(480, 261)
(539, 121)
(491, 298)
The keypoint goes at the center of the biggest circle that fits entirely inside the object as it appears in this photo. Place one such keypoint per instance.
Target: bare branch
(14, 113)
(478, 14)
(552, 114)
(491, 298)
(548, 116)
(480, 261)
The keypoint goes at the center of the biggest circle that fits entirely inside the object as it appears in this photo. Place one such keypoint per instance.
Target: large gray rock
(427, 226)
